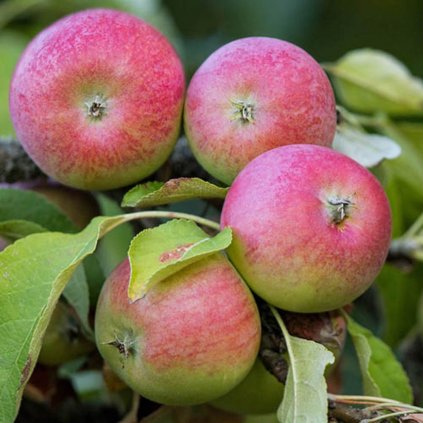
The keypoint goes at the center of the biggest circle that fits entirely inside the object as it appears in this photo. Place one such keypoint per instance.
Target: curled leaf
(367, 149)
(158, 193)
(159, 252)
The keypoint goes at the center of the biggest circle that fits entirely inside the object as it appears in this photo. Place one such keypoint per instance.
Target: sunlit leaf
(373, 81)
(158, 193)
(159, 252)
(305, 396)
(33, 274)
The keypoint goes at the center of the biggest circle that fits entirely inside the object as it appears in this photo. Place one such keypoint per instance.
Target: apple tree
(137, 287)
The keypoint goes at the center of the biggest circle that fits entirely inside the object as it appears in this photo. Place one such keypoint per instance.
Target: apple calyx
(339, 209)
(125, 346)
(243, 111)
(96, 107)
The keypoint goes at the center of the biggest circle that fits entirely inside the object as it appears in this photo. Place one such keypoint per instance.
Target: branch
(15, 164)
(346, 414)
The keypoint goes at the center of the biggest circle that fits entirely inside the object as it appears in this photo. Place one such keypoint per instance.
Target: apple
(311, 227)
(96, 99)
(191, 339)
(260, 392)
(63, 340)
(252, 95)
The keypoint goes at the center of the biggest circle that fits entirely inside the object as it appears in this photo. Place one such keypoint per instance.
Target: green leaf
(372, 81)
(367, 149)
(305, 397)
(18, 204)
(77, 295)
(33, 273)
(400, 292)
(158, 193)
(159, 252)
(76, 292)
(114, 246)
(408, 167)
(382, 374)
(15, 229)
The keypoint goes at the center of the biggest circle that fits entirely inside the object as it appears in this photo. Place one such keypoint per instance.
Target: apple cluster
(97, 102)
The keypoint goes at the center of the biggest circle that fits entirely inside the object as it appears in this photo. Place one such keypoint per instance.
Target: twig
(346, 414)
(132, 415)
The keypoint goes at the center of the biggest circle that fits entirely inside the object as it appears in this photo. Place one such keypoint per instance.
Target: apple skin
(252, 95)
(96, 99)
(63, 340)
(191, 339)
(311, 227)
(259, 393)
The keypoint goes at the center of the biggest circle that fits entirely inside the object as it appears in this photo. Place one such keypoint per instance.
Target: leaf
(408, 167)
(367, 149)
(113, 248)
(382, 374)
(305, 396)
(158, 193)
(18, 204)
(33, 273)
(15, 229)
(159, 252)
(372, 81)
(400, 292)
(77, 295)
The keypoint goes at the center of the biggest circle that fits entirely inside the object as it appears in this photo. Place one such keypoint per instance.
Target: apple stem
(124, 346)
(243, 111)
(339, 209)
(174, 215)
(96, 107)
